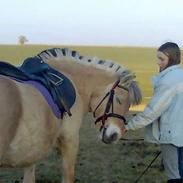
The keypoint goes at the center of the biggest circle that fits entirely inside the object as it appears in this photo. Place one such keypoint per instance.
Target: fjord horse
(28, 128)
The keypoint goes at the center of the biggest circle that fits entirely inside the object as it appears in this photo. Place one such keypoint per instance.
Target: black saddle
(33, 68)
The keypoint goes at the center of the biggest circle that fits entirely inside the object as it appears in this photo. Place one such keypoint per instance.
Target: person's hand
(123, 131)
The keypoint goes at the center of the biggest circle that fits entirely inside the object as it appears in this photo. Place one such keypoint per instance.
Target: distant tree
(22, 40)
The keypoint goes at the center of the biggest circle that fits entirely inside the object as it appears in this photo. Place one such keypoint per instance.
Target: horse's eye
(118, 100)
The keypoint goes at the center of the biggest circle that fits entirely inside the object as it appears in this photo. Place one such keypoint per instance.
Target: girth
(58, 85)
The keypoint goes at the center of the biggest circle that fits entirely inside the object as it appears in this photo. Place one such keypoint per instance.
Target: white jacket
(163, 116)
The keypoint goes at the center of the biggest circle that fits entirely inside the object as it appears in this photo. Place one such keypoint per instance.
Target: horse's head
(110, 104)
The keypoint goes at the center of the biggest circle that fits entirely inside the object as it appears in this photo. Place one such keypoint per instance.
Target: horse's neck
(87, 79)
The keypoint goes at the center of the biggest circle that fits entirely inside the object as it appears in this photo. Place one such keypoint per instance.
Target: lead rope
(146, 169)
(132, 140)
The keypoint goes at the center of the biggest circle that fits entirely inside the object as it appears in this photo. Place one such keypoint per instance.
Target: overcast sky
(92, 22)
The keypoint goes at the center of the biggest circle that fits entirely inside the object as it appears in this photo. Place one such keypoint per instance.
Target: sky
(92, 22)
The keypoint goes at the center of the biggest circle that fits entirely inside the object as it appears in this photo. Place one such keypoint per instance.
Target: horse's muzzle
(109, 139)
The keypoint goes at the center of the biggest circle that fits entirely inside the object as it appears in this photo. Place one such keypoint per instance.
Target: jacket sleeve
(159, 102)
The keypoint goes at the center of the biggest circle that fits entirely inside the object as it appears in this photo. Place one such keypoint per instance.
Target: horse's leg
(69, 149)
(29, 174)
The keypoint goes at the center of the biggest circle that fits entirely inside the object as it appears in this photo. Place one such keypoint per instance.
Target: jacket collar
(157, 77)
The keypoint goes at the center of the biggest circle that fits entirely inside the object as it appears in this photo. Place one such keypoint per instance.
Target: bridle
(109, 106)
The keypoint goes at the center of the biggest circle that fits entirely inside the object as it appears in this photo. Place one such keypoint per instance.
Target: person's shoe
(175, 181)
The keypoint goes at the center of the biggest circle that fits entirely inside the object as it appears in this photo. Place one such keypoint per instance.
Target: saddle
(35, 69)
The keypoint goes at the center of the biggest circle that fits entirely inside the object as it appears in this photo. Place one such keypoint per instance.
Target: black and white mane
(126, 76)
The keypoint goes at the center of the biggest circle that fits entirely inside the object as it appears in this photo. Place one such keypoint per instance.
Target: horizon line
(80, 45)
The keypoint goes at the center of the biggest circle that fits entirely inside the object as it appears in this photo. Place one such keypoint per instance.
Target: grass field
(99, 163)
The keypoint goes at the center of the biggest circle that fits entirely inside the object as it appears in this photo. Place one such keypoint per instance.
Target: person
(163, 115)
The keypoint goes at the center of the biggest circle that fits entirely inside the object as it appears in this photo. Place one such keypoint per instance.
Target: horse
(29, 129)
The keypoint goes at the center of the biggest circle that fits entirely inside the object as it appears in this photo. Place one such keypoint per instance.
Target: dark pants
(180, 160)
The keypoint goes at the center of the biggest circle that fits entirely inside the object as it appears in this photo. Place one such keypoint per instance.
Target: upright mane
(126, 76)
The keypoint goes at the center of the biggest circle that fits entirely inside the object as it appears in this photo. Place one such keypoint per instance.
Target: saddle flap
(62, 89)
(54, 79)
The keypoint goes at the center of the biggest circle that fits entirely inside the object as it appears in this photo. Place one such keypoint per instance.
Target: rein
(149, 165)
(146, 169)
(109, 106)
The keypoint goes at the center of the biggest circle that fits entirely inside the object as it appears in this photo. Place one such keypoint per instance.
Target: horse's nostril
(105, 140)
(114, 137)
(109, 139)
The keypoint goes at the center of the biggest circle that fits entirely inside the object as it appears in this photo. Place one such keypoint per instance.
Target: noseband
(109, 106)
